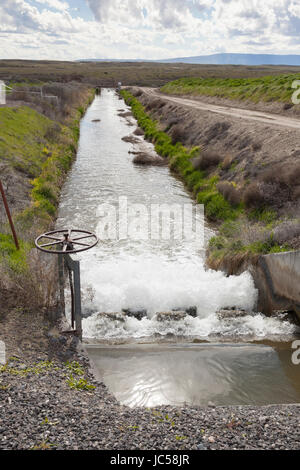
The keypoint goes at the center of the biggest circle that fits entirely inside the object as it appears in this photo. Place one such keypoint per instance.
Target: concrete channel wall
(277, 277)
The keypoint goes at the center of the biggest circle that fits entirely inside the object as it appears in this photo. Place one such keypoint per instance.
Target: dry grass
(67, 96)
(227, 162)
(206, 160)
(230, 193)
(286, 231)
(178, 134)
(232, 264)
(280, 184)
(154, 104)
(253, 197)
(34, 287)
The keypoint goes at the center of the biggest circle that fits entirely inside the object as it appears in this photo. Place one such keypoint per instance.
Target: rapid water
(157, 275)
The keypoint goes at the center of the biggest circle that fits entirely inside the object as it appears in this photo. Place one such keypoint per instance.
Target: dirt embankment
(38, 141)
(253, 145)
(249, 148)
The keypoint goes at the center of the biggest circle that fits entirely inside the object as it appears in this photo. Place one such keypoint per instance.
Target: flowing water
(157, 275)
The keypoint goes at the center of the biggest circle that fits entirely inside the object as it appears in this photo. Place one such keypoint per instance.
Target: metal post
(78, 318)
(74, 266)
(61, 283)
(9, 216)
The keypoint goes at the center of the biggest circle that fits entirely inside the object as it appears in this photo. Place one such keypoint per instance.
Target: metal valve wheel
(66, 241)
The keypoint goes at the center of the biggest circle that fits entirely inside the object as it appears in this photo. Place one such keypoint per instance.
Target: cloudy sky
(149, 29)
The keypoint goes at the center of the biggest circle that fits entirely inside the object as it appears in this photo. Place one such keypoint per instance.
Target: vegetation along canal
(160, 359)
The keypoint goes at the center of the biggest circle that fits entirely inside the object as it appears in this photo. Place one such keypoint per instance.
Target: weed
(36, 369)
(74, 367)
(79, 384)
(43, 445)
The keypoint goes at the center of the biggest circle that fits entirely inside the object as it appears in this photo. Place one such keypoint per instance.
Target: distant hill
(220, 59)
(239, 59)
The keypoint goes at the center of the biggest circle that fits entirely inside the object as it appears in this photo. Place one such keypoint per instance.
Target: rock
(125, 114)
(231, 313)
(115, 316)
(143, 158)
(192, 311)
(201, 446)
(131, 139)
(96, 120)
(171, 315)
(287, 315)
(137, 313)
(88, 312)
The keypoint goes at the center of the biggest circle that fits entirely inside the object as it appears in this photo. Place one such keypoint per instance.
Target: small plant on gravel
(232, 423)
(43, 445)
(47, 422)
(74, 367)
(79, 384)
(133, 427)
(163, 419)
(38, 368)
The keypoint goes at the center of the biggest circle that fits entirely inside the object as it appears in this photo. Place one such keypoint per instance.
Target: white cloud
(56, 4)
(148, 28)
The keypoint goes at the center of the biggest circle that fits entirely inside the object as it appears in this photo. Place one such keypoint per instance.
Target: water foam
(159, 284)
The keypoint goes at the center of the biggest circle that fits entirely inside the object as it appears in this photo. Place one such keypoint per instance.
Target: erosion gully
(198, 360)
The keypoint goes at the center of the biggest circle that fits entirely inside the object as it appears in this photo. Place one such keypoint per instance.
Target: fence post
(9, 216)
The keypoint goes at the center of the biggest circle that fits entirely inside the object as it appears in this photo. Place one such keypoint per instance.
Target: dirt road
(239, 113)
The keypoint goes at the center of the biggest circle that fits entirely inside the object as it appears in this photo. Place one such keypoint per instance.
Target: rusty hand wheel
(66, 241)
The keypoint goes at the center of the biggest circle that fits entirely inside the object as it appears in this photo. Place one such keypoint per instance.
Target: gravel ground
(49, 403)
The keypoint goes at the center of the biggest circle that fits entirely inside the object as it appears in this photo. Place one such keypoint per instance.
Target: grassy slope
(28, 145)
(230, 218)
(22, 140)
(269, 88)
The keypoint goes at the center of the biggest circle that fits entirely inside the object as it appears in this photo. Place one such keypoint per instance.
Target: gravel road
(233, 112)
